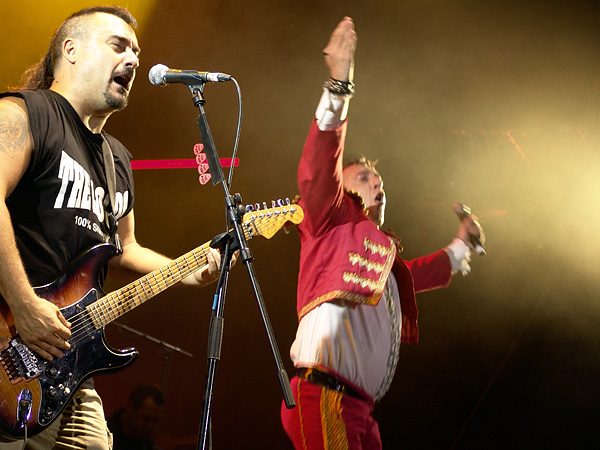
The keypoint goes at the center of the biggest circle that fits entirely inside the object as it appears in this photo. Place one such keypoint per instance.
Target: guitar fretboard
(112, 306)
(117, 303)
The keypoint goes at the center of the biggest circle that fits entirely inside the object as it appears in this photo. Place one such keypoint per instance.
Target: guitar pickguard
(59, 379)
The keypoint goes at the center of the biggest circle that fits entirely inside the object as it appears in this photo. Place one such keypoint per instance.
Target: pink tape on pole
(199, 162)
(175, 163)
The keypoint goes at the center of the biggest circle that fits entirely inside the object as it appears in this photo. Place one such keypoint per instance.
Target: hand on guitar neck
(209, 273)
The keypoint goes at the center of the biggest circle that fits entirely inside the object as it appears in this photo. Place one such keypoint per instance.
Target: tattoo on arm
(13, 132)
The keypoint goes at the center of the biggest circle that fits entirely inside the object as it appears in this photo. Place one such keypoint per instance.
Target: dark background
(494, 104)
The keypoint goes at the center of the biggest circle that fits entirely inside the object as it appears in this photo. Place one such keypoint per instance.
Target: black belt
(327, 381)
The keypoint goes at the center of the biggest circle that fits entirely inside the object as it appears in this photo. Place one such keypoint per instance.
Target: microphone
(161, 75)
(463, 211)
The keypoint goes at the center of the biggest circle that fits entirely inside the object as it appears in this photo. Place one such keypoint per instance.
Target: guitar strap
(111, 179)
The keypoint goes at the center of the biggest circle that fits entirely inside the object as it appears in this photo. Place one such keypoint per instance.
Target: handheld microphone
(161, 75)
(463, 211)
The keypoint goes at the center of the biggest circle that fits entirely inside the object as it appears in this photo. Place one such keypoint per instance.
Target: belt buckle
(336, 384)
(323, 379)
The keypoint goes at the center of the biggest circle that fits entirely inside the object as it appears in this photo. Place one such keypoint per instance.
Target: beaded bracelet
(341, 88)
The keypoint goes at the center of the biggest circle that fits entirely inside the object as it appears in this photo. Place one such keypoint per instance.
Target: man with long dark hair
(55, 183)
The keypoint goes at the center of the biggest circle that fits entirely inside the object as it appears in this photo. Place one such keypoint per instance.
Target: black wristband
(341, 88)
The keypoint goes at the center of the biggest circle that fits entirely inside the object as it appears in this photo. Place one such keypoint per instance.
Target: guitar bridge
(20, 362)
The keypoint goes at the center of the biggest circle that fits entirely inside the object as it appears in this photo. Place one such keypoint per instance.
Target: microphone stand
(228, 244)
(168, 349)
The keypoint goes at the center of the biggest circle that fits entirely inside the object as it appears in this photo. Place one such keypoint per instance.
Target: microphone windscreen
(156, 75)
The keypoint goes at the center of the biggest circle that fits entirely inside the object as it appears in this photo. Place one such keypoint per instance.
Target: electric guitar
(34, 391)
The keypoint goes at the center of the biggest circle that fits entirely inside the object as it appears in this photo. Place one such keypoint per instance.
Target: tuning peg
(287, 201)
(265, 205)
(257, 206)
(249, 207)
(279, 202)
(273, 204)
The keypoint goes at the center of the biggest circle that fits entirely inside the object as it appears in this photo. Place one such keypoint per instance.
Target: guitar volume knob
(51, 392)
(48, 414)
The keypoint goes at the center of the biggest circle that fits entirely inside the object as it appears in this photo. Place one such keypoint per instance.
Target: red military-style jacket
(343, 254)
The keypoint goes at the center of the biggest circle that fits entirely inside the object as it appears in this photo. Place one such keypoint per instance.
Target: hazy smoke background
(494, 104)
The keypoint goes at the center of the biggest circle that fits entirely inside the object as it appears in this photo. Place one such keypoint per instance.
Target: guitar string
(159, 279)
(96, 313)
(101, 308)
(100, 313)
(132, 289)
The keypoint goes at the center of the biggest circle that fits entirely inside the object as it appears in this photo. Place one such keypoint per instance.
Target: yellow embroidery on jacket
(376, 286)
(342, 295)
(382, 269)
(355, 258)
(378, 248)
(362, 281)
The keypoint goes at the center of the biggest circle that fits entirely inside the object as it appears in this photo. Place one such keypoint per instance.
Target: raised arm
(320, 169)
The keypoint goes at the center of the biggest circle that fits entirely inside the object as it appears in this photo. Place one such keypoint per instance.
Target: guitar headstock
(267, 222)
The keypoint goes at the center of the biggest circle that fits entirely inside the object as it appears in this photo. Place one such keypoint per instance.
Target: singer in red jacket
(356, 295)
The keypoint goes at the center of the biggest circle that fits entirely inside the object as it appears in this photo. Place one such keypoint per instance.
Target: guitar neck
(263, 223)
(114, 305)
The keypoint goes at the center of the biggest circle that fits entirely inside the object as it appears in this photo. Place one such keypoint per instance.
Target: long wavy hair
(41, 75)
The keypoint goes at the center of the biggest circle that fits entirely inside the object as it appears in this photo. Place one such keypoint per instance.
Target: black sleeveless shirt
(58, 207)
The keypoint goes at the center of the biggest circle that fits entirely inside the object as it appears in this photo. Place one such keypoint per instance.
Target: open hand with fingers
(339, 51)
